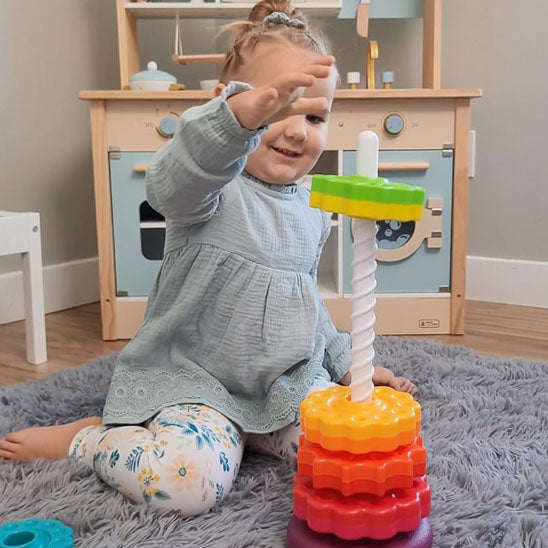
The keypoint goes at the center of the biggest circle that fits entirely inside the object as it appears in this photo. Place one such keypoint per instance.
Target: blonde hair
(247, 34)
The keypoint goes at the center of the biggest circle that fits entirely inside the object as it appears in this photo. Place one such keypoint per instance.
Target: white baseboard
(509, 281)
(66, 285)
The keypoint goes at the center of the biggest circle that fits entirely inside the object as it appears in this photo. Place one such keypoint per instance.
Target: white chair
(20, 233)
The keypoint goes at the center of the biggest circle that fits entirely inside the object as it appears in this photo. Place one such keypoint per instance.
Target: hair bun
(265, 7)
(289, 24)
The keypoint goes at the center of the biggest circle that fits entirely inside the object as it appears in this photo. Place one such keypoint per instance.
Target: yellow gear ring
(388, 420)
(366, 210)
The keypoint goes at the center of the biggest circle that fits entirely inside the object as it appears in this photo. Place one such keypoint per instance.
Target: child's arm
(208, 150)
(212, 141)
(337, 359)
(337, 344)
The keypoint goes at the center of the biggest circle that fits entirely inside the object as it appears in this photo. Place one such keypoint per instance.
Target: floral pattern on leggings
(186, 458)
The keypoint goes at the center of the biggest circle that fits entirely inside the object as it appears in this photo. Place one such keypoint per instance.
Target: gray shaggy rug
(484, 426)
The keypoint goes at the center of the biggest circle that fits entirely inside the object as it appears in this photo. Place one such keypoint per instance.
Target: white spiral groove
(363, 309)
(363, 279)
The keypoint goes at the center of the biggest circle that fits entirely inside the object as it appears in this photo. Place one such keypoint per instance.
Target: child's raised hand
(283, 96)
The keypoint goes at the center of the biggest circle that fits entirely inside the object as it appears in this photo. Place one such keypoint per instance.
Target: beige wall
(50, 50)
(501, 46)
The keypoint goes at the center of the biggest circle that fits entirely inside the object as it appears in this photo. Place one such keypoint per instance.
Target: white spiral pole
(363, 280)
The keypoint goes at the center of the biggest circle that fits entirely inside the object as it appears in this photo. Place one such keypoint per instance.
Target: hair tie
(281, 18)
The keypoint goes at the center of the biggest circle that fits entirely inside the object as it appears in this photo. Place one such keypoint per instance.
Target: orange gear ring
(388, 420)
(374, 473)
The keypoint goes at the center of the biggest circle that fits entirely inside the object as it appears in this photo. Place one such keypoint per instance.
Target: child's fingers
(318, 71)
(410, 387)
(327, 60)
(8, 446)
(404, 385)
(288, 82)
(309, 105)
(320, 67)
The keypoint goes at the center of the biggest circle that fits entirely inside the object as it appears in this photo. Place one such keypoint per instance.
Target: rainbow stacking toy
(361, 479)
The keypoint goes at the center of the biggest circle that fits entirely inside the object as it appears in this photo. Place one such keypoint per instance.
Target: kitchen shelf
(339, 94)
(219, 10)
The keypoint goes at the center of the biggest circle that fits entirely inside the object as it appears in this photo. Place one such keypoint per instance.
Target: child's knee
(205, 486)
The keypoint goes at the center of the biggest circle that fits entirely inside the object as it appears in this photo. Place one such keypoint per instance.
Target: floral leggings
(186, 458)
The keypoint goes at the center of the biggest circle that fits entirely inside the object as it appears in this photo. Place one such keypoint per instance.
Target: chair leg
(33, 285)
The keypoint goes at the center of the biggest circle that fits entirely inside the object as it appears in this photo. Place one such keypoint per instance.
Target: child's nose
(295, 128)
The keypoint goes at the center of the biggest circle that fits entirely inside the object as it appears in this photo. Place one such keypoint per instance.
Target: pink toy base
(299, 535)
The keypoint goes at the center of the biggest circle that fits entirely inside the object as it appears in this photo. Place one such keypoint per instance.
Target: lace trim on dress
(149, 392)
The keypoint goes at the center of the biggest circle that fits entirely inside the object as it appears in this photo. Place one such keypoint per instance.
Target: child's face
(291, 147)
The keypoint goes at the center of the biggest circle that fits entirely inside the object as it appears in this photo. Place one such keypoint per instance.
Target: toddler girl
(235, 334)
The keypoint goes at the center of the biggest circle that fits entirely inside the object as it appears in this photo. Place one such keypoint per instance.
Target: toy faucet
(372, 56)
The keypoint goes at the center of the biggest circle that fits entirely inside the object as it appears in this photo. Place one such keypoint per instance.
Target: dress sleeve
(337, 347)
(209, 148)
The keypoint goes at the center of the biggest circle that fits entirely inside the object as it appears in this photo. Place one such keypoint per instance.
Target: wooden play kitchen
(424, 141)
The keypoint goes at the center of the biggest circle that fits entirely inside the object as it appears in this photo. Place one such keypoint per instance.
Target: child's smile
(287, 154)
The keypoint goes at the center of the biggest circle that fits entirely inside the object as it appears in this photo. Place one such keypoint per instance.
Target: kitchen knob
(393, 124)
(167, 127)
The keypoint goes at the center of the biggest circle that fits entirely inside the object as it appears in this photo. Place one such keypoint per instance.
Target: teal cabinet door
(396, 9)
(137, 251)
(385, 9)
(427, 269)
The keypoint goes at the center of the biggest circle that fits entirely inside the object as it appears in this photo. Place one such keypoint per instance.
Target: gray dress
(234, 320)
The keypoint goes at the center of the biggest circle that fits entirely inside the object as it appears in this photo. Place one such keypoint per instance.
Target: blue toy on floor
(36, 533)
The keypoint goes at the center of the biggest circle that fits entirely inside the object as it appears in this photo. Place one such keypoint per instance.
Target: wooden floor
(74, 337)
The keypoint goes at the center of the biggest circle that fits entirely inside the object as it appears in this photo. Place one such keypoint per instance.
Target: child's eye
(313, 119)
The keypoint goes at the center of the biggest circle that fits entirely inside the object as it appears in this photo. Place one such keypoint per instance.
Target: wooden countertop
(339, 94)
